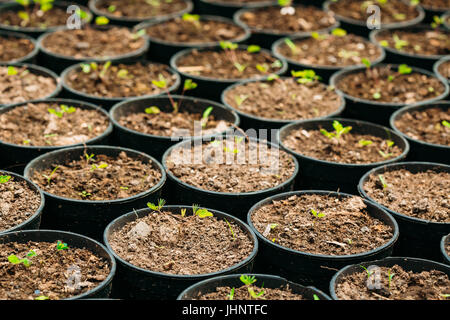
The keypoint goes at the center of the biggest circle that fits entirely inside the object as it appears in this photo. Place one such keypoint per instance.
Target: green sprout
(201, 213)
(437, 21)
(24, 3)
(404, 69)
(15, 260)
(183, 212)
(61, 246)
(158, 207)
(152, 110)
(112, 8)
(376, 95)
(101, 21)
(272, 77)
(49, 177)
(189, 85)
(248, 281)
(240, 67)
(104, 69)
(240, 99)
(339, 32)
(138, 34)
(101, 166)
(305, 76)
(387, 154)
(205, 116)
(89, 157)
(192, 18)
(42, 298)
(339, 130)
(4, 179)
(384, 43)
(262, 67)
(84, 194)
(445, 123)
(231, 229)
(383, 182)
(390, 276)
(316, 297)
(284, 3)
(319, 36)
(294, 49)
(88, 67)
(366, 62)
(253, 48)
(364, 143)
(23, 15)
(12, 71)
(230, 296)
(317, 214)
(369, 274)
(399, 43)
(228, 45)
(122, 73)
(63, 109)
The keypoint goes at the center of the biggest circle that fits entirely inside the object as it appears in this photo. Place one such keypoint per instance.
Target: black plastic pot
(430, 12)
(268, 281)
(327, 175)
(157, 145)
(444, 242)
(39, 71)
(249, 121)
(325, 72)
(34, 221)
(15, 157)
(421, 150)
(59, 62)
(236, 204)
(265, 37)
(36, 32)
(436, 68)
(409, 264)
(211, 88)
(132, 21)
(138, 283)
(163, 50)
(418, 237)
(445, 18)
(29, 58)
(227, 8)
(85, 216)
(108, 102)
(74, 241)
(360, 27)
(308, 268)
(396, 56)
(373, 111)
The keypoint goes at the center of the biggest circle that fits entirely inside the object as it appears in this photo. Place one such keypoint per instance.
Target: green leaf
(377, 95)
(253, 48)
(189, 85)
(13, 259)
(247, 280)
(366, 62)
(101, 21)
(203, 213)
(152, 110)
(445, 123)
(42, 298)
(112, 8)
(227, 45)
(23, 15)
(404, 69)
(12, 71)
(4, 179)
(292, 46)
(339, 32)
(364, 143)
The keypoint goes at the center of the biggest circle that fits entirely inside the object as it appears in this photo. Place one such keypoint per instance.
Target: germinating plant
(4, 179)
(49, 177)
(339, 131)
(63, 109)
(157, 207)
(201, 212)
(248, 281)
(305, 76)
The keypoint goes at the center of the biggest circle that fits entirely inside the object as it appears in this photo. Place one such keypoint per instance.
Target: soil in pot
(341, 146)
(396, 284)
(392, 11)
(431, 125)
(422, 195)
(425, 42)
(444, 69)
(51, 124)
(96, 177)
(338, 49)
(231, 166)
(321, 224)
(236, 63)
(140, 9)
(170, 243)
(88, 43)
(14, 48)
(384, 84)
(18, 201)
(288, 20)
(47, 277)
(435, 4)
(119, 80)
(284, 99)
(20, 84)
(193, 29)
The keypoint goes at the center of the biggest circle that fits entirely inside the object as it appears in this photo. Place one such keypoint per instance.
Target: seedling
(101, 21)
(123, 74)
(316, 297)
(152, 110)
(192, 18)
(317, 214)
(84, 194)
(294, 49)
(100, 166)
(112, 8)
(263, 67)
(89, 157)
(369, 274)
(183, 212)
(248, 281)
(339, 130)
(305, 76)
(61, 246)
(15, 260)
(188, 85)
(376, 95)
(319, 36)
(339, 32)
(205, 116)
(230, 47)
(88, 67)
(158, 207)
(390, 276)
(445, 123)
(104, 69)
(366, 62)
(231, 229)
(404, 69)
(437, 21)
(383, 182)
(162, 84)
(63, 109)
(387, 154)
(284, 3)
(4, 179)
(42, 298)
(230, 296)
(138, 34)
(124, 188)
(49, 177)
(347, 54)
(364, 143)
(253, 48)
(12, 71)
(399, 43)
(201, 213)
(240, 99)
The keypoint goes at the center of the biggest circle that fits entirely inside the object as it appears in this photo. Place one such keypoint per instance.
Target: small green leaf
(152, 110)
(4, 179)
(404, 69)
(253, 48)
(101, 21)
(339, 32)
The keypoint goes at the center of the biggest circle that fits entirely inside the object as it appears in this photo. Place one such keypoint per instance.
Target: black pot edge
(31, 55)
(436, 66)
(444, 241)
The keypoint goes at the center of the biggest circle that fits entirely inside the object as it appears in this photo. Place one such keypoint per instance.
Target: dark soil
(346, 227)
(242, 293)
(12, 48)
(393, 11)
(24, 86)
(349, 148)
(444, 69)
(123, 177)
(236, 1)
(93, 43)
(221, 64)
(402, 89)
(284, 99)
(331, 51)
(167, 124)
(169, 243)
(426, 125)
(34, 125)
(435, 4)
(422, 195)
(121, 80)
(404, 285)
(18, 202)
(52, 273)
(178, 30)
(140, 8)
(417, 42)
(231, 166)
(55, 17)
(303, 19)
